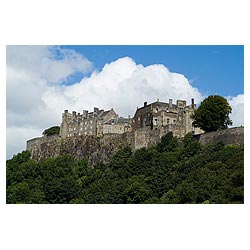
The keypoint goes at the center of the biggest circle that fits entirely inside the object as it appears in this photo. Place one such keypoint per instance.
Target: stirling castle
(98, 134)
(155, 116)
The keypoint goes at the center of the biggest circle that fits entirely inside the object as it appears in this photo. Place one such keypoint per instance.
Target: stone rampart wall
(228, 136)
(97, 149)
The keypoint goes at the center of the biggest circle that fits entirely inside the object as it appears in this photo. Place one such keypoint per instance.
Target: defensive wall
(227, 136)
(102, 148)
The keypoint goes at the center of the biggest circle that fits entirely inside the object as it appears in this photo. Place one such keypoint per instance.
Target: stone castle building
(166, 117)
(95, 123)
(99, 134)
(155, 116)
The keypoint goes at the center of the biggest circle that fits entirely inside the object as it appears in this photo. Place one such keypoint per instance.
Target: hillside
(169, 172)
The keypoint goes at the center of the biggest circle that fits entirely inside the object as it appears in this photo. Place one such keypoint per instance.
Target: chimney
(96, 110)
(66, 111)
(85, 113)
(74, 113)
(145, 104)
(192, 102)
(170, 103)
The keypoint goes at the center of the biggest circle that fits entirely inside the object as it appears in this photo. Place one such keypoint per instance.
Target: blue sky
(213, 69)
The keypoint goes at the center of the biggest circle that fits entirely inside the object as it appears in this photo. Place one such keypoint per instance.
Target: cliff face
(97, 149)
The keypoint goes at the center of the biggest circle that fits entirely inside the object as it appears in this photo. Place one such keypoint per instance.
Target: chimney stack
(192, 102)
(170, 103)
(145, 104)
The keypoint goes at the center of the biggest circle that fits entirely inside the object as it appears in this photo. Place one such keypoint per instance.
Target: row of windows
(86, 122)
(85, 133)
(74, 129)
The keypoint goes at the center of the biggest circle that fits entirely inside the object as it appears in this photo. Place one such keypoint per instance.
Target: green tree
(212, 114)
(191, 146)
(55, 130)
(168, 143)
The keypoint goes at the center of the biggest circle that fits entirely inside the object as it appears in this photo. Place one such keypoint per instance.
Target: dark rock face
(95, 149)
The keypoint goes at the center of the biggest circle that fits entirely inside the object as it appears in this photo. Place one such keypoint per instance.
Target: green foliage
(191, 146)
(212, 114)
(168, 173)
(168, 143)
(55, 130)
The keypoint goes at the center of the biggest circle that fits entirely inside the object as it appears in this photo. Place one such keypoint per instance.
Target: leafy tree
(212, 114)
(55, 130)
(168, 143)
(191, 146)
(166, 173)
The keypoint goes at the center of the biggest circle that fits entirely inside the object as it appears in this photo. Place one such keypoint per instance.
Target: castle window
(174, 121)
(155, 121)
(85, 132)
(91, 121)
(168, 120)
(86, 123)
(74, 128)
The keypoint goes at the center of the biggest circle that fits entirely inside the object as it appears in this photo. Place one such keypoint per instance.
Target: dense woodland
(170, 172)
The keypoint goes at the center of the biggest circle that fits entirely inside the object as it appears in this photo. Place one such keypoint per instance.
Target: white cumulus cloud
(237, 105)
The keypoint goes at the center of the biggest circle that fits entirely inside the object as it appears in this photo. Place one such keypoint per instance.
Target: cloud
(36, 95)
(31, 72)
(124, 85)
(237, 105)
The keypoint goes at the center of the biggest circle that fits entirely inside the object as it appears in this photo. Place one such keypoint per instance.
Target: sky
(43, 81)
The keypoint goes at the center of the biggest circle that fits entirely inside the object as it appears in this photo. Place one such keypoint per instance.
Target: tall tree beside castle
(212, 114)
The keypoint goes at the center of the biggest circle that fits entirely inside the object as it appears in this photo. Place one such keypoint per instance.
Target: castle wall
(97, 149)
(228, 136)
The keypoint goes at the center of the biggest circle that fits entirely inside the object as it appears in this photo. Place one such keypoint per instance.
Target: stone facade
(155, 116)
(227, 136)
(95, 123)
(166, 117)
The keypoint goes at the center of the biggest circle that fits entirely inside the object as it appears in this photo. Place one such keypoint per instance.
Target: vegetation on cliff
(55, 130)
(169, 172)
